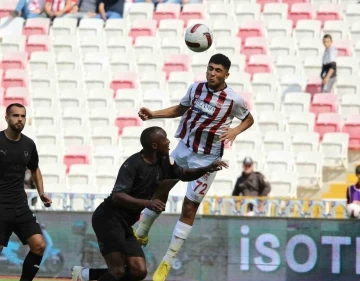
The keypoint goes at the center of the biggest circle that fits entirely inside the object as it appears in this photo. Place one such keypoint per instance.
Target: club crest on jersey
(26, 153)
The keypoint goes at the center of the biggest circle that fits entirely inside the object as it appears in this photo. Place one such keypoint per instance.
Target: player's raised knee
(139, 272)
(39, 248)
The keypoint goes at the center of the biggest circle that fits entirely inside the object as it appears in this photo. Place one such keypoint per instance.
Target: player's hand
(145, 114)
(156, 205)
(229, 136)
(46, 200)
(217, 166)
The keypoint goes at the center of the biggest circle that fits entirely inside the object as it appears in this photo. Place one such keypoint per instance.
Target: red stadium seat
(301, 11)
(16, 95)
(192, 11)
(166, 11)
(176, 63)
(36, 26)
(264, 2)
(250, 28)
(255, 46)
(292, 2)
(328, 123)
(248, 99)
(344, 47)
(6, 7)
(37, 43)
(328, 12)
(324, 103)
(313, 85)
(14, 60)
(126, 80)
(126, 121)
(259, 64)
(143, 28)
(352, 127)
(15, 78)
(77, 155)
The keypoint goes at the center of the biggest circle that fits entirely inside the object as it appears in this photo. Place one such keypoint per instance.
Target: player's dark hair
(10, 106)
(146, 138)
(327, 36)
(222, 60)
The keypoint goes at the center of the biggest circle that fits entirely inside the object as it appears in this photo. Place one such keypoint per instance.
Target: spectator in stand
(251, 183)
(353, 191)
(58, 8)
(328, 71)
(29, 9)
(110, 9)
(83, 9)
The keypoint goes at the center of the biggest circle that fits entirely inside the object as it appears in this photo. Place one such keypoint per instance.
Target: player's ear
(154, 146)
(7, 119)
(227, 75)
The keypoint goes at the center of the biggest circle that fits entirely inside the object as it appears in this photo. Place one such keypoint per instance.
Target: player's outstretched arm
(230, 135)
(38, 180)
(125, 200)
(194, 174)
(171, 112)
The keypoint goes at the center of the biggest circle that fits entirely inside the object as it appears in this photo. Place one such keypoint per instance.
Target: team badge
(26, 153)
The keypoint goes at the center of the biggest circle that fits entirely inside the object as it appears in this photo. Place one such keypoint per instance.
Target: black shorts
(114, 234)
(21, 221)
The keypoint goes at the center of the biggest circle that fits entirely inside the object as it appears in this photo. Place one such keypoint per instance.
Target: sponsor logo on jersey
(204, 108)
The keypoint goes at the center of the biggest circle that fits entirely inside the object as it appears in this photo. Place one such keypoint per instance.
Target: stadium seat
(16, 95)
(293, 83)
(280, 161)
(283, 184)
(105, 175)
(279, 28)
(259, 64)
(173, 46)
(286, 65)
(248, 100)
(126, 80)
(228, 45)
(344, 47)
(346, 66)
(352, 127)
(328, 12)
(239, 82)
(301, 11)
(166, 11)
(223, 184)
(305, 142)
(335, 150)
(127, 118)
(90, 27)
(180, 80)
(310, 47)
(309, 169)
(101, 136)
(282, 46)
(48, 135)
(53, 173)
(87, 44)
(266, 101)
(170, 28)
(130, 150)
(95, 62)
(307, 29)
(238, 63)
(63, 44)
(76, 136)
(77, 155)
(249, 140)
(99, 98)
(127, 98)
(255, 46)
(74, 116)
(147, 63)
(274, 11)
(264, 82)
(41, 61)
(313, 85)
(13, 44)
(63, 27)
(152, 80)
(119, 63)
(312, 66)
(43, 98)
(36, 26)
(296, 102)
(176, 63)
(220, 11)
(276, 141)
(42, 79)
(15, 78)
(67, 99)
(13, 60)
(224, 28)
(143, 28)
(37, 43)
(324, 103)
(130, 136)
(50, 154)
(6, 7)
(146, 45)
(68, 62)
(350, 104)
(106, 155)
(250, 28)
(192, 11)
(11, 26)
(347, 85)
(247, 11)
(328, 123)
(116, 28)
(102, 117)
(300, 122)
(271, 121)
(352, 13)
(119, 45)
(70, 80)
(97, 80)
(80, 174)
(140, 11)
(337, 28)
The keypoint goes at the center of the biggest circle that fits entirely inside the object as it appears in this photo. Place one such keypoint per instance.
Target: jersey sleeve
(240, 110)
(125, 178)
(33, 163)
(186, 100)
(175, 171)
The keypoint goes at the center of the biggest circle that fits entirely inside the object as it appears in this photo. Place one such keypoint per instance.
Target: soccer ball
(198, 38)
(353, 210)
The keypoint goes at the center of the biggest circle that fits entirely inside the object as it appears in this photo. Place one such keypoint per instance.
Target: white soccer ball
(198, 38)
(353, 209)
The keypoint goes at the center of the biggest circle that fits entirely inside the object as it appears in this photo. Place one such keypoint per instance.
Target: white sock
(85, 274)
(181, 232)
(147, 221)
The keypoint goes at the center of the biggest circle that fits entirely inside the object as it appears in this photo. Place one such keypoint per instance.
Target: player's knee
(39, 248)
(1, 248)
(117, 272)
(189, 209)
(139, 272)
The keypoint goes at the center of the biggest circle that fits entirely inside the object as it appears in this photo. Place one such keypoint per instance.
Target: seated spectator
(58, 8)
(353, 191)
(83, 9)
(251, 183)
(29, 9)
(110, 9)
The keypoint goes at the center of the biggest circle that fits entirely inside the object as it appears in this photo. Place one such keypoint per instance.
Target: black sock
(30, 266)
(96, 273)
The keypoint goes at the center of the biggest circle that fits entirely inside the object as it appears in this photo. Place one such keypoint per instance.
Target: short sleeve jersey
(15, 157)
(140, 179)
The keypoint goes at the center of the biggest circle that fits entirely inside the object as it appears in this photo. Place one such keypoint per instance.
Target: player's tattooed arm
(194, 174)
